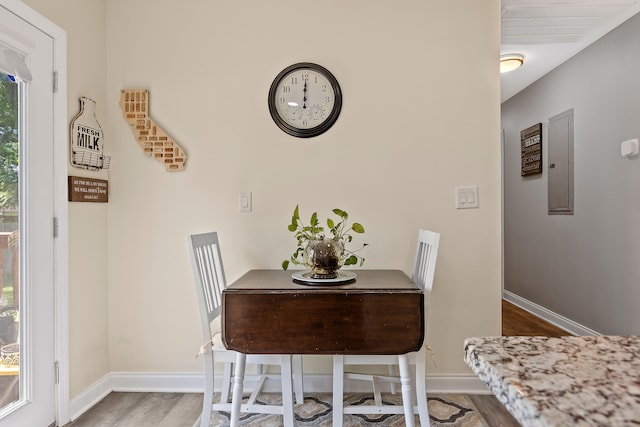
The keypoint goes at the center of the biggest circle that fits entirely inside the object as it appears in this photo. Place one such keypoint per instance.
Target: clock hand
(304, 98)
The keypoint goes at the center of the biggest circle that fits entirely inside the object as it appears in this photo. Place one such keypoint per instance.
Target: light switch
(466, 197)
(629, 148)
(245, 201)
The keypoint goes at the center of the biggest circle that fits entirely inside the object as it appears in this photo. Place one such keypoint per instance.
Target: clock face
(305, 100)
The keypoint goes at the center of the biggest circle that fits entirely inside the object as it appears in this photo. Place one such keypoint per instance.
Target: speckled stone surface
(567, 381)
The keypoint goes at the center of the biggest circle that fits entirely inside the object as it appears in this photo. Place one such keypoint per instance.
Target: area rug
(451, 410)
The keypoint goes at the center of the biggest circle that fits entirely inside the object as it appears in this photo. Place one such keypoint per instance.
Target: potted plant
(324, 255)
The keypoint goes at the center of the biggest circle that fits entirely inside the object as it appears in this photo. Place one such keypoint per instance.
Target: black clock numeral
(286, 89)
(282, 100)
(324, 88)
(304, 76)
(327, 99)
(294, 80)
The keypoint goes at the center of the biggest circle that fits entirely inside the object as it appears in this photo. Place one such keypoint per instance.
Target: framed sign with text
(83, 189)
(531, 150)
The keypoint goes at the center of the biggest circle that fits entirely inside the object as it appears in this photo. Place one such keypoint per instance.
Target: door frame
(60, 205)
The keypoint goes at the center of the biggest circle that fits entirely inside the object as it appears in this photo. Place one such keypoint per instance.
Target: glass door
(27, 374)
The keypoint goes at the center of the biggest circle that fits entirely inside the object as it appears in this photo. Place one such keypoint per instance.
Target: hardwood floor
(516, 321)
(182, 409)
(492, 411)
(143, 410)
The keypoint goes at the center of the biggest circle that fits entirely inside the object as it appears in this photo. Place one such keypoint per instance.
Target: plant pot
(10, 354)
(324, 257)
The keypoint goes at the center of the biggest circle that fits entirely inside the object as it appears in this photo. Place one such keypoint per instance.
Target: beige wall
(411, 129)
(84, 22)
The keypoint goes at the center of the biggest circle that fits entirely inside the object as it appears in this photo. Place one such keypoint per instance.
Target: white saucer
(304, 277)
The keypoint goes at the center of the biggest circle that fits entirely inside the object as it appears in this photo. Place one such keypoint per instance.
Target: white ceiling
(548, 32)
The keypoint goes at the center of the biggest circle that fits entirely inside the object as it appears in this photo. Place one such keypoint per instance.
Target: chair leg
(226, 383)
(407, 395)
(338, 389)
(287, 393)
(298, 378)
(391, 371)
(421, 387)
(205, 417)
(377, 393)
(241, 360)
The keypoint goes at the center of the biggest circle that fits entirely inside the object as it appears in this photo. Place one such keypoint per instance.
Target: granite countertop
(567, 381)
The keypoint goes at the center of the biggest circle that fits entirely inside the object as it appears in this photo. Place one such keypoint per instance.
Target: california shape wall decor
(151, 138)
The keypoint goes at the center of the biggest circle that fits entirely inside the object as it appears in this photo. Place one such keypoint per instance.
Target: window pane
(9, 252)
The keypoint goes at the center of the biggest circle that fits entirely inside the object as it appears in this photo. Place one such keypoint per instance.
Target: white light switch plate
(467, 197)
(245, 201)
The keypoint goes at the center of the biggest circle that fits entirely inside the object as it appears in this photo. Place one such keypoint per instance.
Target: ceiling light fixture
(510, 62)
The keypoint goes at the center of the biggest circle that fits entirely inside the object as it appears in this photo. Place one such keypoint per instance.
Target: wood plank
(323, 323)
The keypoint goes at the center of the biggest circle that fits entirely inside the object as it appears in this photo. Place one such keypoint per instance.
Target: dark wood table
(265, 312)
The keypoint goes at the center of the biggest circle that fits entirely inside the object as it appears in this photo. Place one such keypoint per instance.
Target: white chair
(413, 402)
(209, 278)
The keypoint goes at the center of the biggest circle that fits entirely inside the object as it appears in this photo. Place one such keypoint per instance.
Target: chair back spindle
(425, 263)
(209, 275)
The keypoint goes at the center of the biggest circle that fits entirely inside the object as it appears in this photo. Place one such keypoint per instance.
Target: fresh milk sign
(87, 139)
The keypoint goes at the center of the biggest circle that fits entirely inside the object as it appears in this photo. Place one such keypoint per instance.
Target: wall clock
(305, 100)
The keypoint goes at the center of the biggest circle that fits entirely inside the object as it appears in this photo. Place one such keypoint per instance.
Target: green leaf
(357, 227)
(296, 215)
(292, 227)
(314, 219)
(352, 260)
(285, 264)
(341, 213)
(330, 223)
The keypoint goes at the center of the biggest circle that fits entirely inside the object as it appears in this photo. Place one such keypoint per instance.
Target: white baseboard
(82, 402)
(456, 384)
(194, 383)
(562, 322)
(157, 382)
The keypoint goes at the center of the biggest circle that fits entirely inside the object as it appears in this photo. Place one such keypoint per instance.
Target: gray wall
(585, 267)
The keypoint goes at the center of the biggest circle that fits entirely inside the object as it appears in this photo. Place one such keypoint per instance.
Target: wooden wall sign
(87, 139)
(83, 189)
(531, 150)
